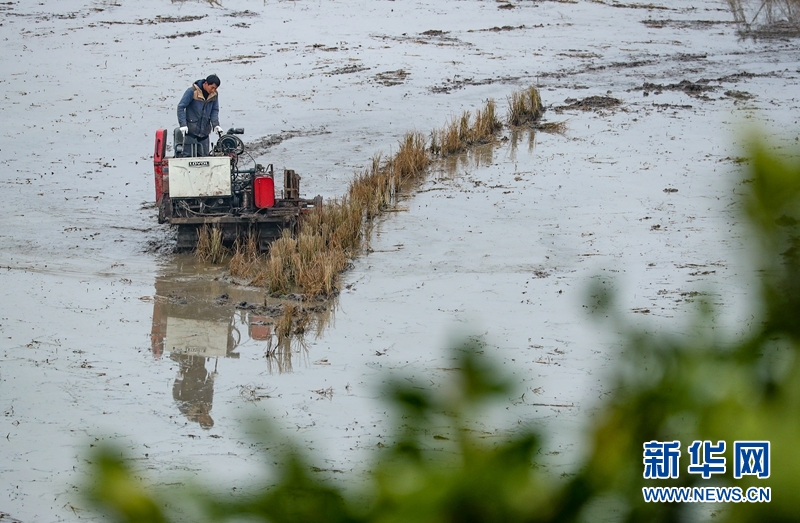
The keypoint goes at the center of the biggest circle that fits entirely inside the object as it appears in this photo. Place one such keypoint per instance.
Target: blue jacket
(199, 114)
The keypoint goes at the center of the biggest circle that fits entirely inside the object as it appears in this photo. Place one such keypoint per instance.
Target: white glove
(185, 130)
(218, 130)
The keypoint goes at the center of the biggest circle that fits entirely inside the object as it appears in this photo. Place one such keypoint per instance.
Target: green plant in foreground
(437, 468)
(470, 480)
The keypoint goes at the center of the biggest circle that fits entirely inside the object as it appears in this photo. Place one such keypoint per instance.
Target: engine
(218, 190)
(217, 185)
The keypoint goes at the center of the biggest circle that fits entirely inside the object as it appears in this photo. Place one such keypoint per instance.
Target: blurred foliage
(692, 387)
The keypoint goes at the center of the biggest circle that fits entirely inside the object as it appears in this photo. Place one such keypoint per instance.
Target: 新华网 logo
(661, 460)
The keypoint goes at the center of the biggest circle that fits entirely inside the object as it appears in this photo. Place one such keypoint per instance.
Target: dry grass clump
(311, 260)
(316, 266)
(276, 272)
(411, 159)
(283, 327)
(374, 189)
(294, 321)
(486, 123)
(245, 258)
(452, 138)
(209, 245)
(332, 233)
(461, 133)
(302, 323)
(338, 223)
(525, 106)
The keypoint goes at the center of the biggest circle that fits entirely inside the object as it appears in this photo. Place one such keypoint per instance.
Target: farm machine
(218, 191)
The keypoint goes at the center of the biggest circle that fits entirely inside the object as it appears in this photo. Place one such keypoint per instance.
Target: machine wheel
(187, 237)
(164, 209)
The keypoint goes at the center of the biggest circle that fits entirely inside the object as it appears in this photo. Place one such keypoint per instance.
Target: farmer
(198, 115)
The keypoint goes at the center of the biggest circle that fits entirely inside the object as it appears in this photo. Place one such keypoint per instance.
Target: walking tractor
(195, 191)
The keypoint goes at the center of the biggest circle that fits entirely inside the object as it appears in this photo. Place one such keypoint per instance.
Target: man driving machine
(198, 116)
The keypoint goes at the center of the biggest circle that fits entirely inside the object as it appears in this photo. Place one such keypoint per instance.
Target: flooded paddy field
(640, 191)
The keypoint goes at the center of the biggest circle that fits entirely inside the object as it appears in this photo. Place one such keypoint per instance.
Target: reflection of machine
(259, 328)
(199, 319)
(196, 328)
(197, 338)
(214, 190)
(192, 329)
(192, 334)
(193, 389)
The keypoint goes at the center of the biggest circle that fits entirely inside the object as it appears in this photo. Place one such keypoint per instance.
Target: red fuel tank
(264, 192)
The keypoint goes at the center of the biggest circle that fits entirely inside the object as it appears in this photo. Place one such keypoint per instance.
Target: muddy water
(105, 335)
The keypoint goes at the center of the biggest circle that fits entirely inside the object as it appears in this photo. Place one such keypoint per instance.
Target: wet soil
(107, 336)
(390, 78)
(262, 145)
(686, 24)
(778, 30)
(456, 83)
(592, 103)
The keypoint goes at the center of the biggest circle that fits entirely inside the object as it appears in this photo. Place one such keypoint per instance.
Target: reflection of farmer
(194, 389)
(198, 115)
